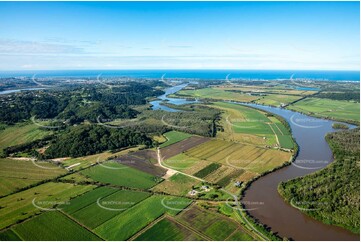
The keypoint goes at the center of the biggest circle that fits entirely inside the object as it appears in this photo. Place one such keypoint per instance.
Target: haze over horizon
(179, 35)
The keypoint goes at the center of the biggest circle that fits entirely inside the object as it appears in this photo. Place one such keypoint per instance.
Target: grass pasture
(178, 184)
(21, 133)
(53, 226)
(120, 175)
(213, 225)
(168, 230)
(174, 137)
(277, 99)
(126, 224)
(17, 174)
(107, 207)
(217, 93)
(328, 108)
(22, 205)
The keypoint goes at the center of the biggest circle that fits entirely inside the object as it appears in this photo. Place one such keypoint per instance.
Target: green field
(207, 170)
(53, 226)
(17, 174)
(239, 236)
(277, 99)
(121, 175)
(213, 225)
(167, 230)
(327, 108)
(107, 207)
(217, 93)
(20, 133)
(22, 205)
(174, 137)
(126, 224)
(178, 184)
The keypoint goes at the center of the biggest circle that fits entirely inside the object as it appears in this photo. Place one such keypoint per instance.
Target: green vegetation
(327, 108)
(167, 230)
(332, 195)
(174, 137)
(52, 226)
(207, 170)
(126, 224)
(178, 184)
(20, 206)
(339, 126)
(239, 236)
(107, 204)
(89, 139)
(18, 174)
(120, 175)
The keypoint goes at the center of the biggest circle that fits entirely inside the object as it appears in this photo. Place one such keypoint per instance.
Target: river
(262, 197)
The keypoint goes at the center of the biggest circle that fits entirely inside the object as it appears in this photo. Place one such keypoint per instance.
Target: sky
(179, 35)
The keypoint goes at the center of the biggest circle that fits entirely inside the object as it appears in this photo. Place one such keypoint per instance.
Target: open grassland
(22, 205)
(120, 175)
(259, 127)
(19, 134)
(53, 226)
(174, 137)
(215, 226)
(277, 99)
(178, 184)
(86, 161)
(126, 224)
(239, 156)
(328, 108)
(239, 236)
(102, 204)
(180, 162)
(266, 90)
(17, 174)
(168, 230)
(218, 94)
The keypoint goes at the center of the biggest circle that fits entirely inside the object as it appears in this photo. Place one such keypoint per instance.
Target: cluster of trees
(333, 192)
(91, 139)
(348, 96)
(76, 104)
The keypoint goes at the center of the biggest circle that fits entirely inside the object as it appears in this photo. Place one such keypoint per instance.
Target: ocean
(197, 74)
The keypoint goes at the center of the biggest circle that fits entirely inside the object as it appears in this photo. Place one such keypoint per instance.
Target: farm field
(86, 161)
(218, 94)
(168, 230)
(17, 174)
(53, 226)
(180, 162)
(178, 184)
(106, 206)
(120, 175)
(126, 224)
(22, 205)
(182, 146)
(213, 225)
(277, 99)
(174, 137)
(328, 108)
(252, 126)
(19, 134)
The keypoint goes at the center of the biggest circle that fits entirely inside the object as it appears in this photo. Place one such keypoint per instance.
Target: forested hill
(333, 193)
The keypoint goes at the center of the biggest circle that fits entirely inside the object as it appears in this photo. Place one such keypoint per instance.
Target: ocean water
(197, 74)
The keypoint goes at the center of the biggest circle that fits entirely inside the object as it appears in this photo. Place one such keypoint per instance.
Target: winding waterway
(262, 197)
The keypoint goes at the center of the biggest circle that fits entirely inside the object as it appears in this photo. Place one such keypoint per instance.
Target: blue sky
(179, 35)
